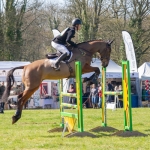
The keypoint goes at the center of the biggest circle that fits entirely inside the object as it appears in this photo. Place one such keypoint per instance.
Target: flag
(129, 51)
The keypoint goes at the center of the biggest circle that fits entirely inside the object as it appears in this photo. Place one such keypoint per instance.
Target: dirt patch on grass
(104, 129)
(73, 134)
(81, 134)
(128, 133)
(59, 129)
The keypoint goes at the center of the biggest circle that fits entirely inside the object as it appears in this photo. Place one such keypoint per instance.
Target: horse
(39, 70)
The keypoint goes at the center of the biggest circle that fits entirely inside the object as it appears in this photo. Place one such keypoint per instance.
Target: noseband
(107, 46)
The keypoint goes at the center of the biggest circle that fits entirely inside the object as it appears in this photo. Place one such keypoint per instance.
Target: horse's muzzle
(105, 64)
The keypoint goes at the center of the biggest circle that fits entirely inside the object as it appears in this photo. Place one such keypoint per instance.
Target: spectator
(120, 97)
(109, 88)
(71, 90)
(57, 100)
(116, 88)
(94, 94)
(99, 96)
(2, 89)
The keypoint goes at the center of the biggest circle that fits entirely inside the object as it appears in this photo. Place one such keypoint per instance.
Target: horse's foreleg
(87, 68)
(22, 99)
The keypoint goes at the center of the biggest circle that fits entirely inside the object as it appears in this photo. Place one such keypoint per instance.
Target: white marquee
(113, 70)
(5, 66)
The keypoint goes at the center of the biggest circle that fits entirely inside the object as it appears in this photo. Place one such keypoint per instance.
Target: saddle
(53, 55)
(57, 54)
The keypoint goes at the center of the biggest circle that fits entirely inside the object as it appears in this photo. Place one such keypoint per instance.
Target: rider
(61, 40)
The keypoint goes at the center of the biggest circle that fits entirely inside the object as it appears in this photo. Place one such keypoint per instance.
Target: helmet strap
(76, 27)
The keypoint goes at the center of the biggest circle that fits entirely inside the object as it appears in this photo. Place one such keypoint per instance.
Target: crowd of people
(117, 87)
(15, 90)
(94, 97)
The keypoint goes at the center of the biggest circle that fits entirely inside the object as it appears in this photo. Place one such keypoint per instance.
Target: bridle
(106, 56)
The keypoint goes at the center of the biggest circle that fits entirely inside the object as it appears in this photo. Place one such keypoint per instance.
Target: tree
(138, 26)
(131, 16)
(13, 45)
(12, 32)
(1, 36)
(89, 11)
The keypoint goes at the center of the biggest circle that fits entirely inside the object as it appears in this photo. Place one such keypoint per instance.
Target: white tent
(144, 71)
(144, 74)
(113, 70)
(5, 66)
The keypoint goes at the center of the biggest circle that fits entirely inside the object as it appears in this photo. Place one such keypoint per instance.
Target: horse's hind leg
(22, 99)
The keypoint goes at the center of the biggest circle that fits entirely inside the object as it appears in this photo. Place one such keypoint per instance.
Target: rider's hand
(75, 45)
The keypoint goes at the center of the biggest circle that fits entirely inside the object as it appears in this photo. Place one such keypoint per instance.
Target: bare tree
(138, 26)
(89, 11)
(133, 17)
(26, 28)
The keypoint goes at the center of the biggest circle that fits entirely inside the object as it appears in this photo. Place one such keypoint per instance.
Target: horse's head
(104, 52)
(96, 46)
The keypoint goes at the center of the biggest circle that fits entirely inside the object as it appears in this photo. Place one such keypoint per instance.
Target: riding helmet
(76, 21)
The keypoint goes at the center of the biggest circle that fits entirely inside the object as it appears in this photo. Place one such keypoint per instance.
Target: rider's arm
(70, 35)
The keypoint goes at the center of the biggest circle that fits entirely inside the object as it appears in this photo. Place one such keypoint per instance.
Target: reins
(84, 52)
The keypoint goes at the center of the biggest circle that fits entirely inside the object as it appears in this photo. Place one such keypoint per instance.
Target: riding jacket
(65, 37)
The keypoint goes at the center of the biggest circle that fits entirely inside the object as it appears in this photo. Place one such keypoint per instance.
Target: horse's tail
(10, 82)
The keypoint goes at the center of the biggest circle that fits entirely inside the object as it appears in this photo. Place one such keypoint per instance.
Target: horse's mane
(90, 41)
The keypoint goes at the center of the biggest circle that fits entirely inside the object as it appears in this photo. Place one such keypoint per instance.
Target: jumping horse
(37, 71)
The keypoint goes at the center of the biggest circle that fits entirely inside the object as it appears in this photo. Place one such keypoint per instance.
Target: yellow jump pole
(127, 96)
(104, 118)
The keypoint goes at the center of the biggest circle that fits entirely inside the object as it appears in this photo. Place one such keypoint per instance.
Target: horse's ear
(110, 42)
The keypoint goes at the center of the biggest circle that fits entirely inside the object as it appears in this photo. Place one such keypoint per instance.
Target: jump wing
(55, 32)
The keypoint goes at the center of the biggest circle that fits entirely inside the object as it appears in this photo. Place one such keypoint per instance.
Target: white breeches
(60, 48)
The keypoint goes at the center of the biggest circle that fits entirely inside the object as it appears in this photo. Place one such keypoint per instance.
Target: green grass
(30, 132)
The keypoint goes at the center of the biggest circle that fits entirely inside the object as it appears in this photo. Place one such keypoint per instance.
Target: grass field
(30, 132)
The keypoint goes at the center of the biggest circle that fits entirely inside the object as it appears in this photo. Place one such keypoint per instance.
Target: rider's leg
(63, 50)
(59, 59)
(60, 48)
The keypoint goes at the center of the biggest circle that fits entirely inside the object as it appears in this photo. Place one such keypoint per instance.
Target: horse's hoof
(14, 119)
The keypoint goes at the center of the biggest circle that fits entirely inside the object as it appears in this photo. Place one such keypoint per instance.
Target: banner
(129, 51)
(43, 89)
(130, 54)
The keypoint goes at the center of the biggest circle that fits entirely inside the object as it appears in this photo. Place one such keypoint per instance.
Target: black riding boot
(2, 107)
(56, 66)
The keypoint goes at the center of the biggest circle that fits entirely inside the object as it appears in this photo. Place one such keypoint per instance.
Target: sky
(2, 2)
(54, 1)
